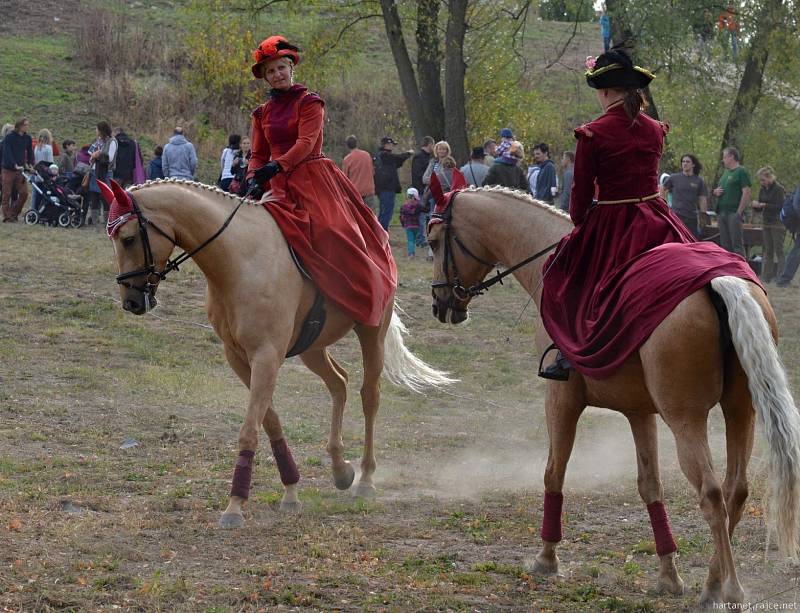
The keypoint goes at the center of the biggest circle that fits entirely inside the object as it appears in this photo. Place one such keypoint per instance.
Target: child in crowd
(409, 219)
(506, 140)
(155, 170)
(67, 161)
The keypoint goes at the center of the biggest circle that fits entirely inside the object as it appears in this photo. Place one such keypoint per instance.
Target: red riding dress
(625, 266)
(323, 217)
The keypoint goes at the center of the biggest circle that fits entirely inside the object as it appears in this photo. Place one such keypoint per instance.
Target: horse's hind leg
(645, 437)
(372, 352)
(694, 456)
(737, 409)
(335, 378)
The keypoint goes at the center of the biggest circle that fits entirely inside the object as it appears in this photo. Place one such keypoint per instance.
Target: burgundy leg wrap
(551, 520)
(286, 466)
(241, 475)
(662, 531)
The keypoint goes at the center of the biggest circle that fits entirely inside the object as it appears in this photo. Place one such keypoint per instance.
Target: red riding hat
(272, 48)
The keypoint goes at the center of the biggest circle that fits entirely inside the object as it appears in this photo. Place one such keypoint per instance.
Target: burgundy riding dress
(625, 266)
(319, 211)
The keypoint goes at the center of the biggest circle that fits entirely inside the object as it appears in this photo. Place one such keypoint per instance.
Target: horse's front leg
(263, 374)
(562, 418)
(645, 437)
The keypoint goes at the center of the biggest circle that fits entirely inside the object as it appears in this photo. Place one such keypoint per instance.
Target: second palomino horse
(257, 301)
(679, 373)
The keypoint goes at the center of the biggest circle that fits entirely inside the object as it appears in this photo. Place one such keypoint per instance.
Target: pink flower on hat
(590, 62)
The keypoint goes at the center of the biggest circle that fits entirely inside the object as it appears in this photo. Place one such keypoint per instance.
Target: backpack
(790, 216)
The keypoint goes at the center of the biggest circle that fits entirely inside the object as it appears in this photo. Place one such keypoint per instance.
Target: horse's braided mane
(187, 182)
(522, 197)
(495, 189)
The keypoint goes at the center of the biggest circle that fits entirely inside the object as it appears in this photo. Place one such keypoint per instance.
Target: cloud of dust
(603, 454)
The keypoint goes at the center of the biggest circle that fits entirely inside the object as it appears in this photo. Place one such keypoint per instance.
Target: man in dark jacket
(546, 181)
(125, 163)
(17, 155)
(387, 181)
(505, 170)
(419, 163)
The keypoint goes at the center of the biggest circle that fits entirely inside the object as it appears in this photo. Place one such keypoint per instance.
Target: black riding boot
(558, 370)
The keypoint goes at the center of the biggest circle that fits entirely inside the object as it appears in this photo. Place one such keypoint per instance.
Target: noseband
(459, 292)
(152, 276)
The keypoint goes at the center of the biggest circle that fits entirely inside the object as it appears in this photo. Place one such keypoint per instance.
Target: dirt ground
(118, 438)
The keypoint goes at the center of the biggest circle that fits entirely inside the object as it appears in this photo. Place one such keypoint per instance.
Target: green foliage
(566, 10)
(219, 58)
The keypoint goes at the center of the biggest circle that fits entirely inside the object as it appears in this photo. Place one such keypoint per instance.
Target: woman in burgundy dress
(620, 272)
(322, 215)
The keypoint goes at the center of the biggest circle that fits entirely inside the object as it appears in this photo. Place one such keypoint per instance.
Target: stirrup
(557, 371)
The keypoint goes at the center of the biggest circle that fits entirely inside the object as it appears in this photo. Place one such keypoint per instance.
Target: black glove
(254, 189)
(266, 172)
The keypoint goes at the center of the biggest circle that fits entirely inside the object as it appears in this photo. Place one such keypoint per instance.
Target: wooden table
(752, 236)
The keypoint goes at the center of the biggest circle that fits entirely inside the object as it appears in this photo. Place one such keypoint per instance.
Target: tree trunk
(749, 93)
(429, 65)
(405, 70)
(455, 69)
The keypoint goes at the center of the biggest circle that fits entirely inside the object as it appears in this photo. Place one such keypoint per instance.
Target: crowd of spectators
(113, 154)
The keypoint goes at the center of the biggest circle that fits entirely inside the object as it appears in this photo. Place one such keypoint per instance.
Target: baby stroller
(56, 204)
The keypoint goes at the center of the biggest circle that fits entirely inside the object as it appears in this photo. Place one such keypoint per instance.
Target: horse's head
(460, 262)
(141, 255)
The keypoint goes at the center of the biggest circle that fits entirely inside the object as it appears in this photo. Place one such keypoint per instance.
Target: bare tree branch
(560, 54)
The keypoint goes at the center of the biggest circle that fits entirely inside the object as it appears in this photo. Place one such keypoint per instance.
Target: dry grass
(86, 525)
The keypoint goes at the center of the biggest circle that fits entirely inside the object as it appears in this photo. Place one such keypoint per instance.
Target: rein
(478, 289)
(149, 268)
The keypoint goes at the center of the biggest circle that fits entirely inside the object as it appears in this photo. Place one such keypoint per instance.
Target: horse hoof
(670, 585)
(710, 598)
(344, 480)
(542, 566)
(287, 506)
(231, 520)
(365, 490)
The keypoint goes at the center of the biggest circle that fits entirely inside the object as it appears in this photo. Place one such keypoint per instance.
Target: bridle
(152, 276)
(459, 292)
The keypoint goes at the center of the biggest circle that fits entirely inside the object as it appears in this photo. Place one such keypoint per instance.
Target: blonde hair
(7, 127)
(44, 138)
(517, 149)
(767, 172)
(442, 143)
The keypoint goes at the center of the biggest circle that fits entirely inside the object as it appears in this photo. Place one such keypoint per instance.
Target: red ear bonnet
(120, 209)
(107, 193)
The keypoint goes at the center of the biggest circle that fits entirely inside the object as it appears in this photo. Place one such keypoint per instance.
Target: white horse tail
(773, 403)
(404, 368)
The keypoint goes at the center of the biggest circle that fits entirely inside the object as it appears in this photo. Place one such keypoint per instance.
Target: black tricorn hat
(615, 69)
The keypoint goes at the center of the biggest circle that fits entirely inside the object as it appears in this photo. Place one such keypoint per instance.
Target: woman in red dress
(629, 260)
(322, 215)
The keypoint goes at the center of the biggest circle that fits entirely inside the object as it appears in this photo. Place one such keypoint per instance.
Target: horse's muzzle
(441, 310)
(139, 302)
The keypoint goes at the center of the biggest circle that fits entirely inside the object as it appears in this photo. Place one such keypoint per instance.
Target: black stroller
(56, 204)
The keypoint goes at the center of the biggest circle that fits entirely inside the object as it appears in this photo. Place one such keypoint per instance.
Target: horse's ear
(123, 198)
(459, 181)
(107, 192)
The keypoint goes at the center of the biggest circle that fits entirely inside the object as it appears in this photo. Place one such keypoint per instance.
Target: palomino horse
(680, 373)
(257, 301)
